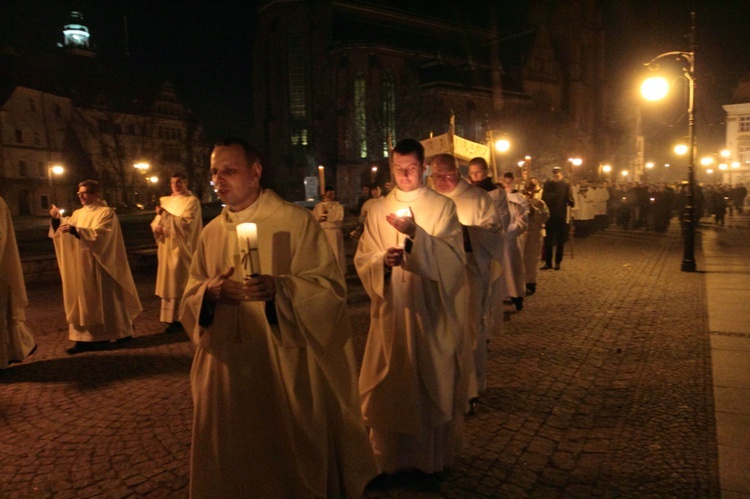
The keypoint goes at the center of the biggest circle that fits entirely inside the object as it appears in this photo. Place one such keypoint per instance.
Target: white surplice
(16, 341)
(181, 225)
(410, 378)
(99, 294)
(334, 212)
(276, 411)
(514, 270)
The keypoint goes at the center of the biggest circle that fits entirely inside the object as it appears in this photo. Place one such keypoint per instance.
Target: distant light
(624, 173)
(654, 88)
(153, 180)
(606, 168)
(723, 166)
(710, 170)
(725, 153)
(649, 165)
(707, 160)
(502, 145)
(666, 165)
(57, 170)
(575, 161)
(680, 149)
(735, 164)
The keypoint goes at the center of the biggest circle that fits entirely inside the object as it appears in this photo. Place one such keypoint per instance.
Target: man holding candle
(330, 214)
(176, 228)
(483, 244)
(100, 297)
(411, 263)
(16, 342)
(274, 377)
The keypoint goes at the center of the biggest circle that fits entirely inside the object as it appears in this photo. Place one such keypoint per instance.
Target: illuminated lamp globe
(680, 149)
(654, 88)
(502, 145)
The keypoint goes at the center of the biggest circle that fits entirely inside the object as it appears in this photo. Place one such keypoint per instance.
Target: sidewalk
(622, 377)
(726, 254)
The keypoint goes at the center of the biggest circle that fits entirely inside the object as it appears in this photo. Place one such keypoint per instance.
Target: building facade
(70, 111)
(338, 82)
(738, 136)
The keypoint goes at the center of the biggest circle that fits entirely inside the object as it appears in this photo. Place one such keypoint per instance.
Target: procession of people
(280, 408)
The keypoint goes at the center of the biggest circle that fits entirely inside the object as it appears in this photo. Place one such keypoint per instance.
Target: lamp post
(655, 89)
(52, 171)
(497, 145)
(153, 180)
(142, 167)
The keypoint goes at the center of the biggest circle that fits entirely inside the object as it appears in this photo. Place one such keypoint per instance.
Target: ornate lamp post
(655, 89)
(52, 171)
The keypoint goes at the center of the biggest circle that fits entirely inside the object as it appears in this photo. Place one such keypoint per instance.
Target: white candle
(322, 180)
(402, 213)
(247, 238)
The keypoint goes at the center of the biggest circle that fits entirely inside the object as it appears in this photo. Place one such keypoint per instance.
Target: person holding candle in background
(16, 341)
(176, 228)
(100, 297)
(274, 376)
(330, 215)
(411, 263)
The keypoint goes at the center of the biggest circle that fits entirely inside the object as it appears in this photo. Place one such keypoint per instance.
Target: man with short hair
(411, 261)
(276, 411)
(100, 297)
(483, 244)
(558, 196)
(16, 341)
(176, 228)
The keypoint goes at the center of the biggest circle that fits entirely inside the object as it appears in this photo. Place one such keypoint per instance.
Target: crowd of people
(279, 407)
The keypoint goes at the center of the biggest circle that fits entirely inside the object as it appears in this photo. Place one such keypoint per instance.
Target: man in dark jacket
(558, 197)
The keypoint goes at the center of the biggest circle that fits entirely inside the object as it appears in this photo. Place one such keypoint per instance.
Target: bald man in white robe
(276, 410)
(483, 244)
(16, 341)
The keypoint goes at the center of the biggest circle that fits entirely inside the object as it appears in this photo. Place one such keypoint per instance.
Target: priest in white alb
(274, 376)
(176, 228)
(99, 294)
(514, 283)
(411, 261)
(16, 341)
(330, 214)
(483, 244)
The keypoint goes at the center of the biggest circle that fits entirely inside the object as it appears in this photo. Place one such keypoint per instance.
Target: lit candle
(247, 238)
(322, 180)
(402, 213)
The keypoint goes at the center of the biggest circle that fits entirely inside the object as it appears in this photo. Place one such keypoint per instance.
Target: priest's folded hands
(222, 288)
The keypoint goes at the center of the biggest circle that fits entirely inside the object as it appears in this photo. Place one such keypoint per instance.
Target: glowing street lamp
(707, 161)
(606, 168)
(497, 146)
(502, 145)
(681, 149)
(52, 171)
(624, 173)
(655, 89)
(650, 165)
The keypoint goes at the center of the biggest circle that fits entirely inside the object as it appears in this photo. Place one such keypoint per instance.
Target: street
(600, 386)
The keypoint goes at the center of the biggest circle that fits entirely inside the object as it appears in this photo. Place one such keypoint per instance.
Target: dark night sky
(205, 47)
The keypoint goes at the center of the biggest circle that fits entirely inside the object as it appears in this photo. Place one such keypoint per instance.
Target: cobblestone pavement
(600, 387)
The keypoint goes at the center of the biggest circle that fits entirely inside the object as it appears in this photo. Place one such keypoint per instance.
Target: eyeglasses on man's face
(83, 193)
(441, 177)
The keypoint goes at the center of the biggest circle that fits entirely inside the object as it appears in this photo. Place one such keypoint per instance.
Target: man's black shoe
(557, 266)
(546, 267)
(84, 346)
(518, 302)
(174, 327)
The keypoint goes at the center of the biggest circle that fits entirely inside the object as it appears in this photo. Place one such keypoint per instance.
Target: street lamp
(52, 171)
(498, 145)
(656, 90)
(153, 180)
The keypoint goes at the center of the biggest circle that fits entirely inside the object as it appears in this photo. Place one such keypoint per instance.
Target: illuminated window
(297, 87)
(389, 112)
(744, 154)
(744, 123)
(360, 117)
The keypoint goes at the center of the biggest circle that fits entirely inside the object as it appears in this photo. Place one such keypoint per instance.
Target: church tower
(77, 36)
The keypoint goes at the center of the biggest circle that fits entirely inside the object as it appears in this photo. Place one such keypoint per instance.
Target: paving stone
(600, 387)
